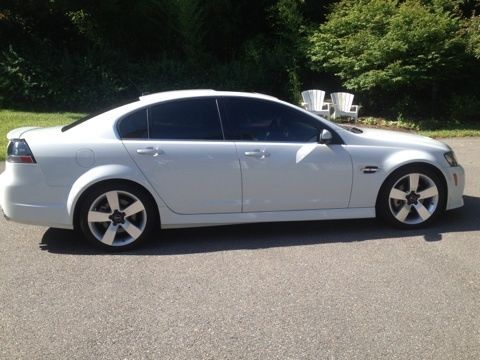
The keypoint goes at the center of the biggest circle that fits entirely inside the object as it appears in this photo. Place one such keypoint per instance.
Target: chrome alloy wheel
(117, 218)
(413, 199)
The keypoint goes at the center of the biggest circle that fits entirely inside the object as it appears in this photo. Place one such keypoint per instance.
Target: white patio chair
(342, 105)
(313, 102)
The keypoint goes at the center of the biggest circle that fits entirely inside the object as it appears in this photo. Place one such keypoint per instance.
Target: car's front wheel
(117, 216)
(412, 197)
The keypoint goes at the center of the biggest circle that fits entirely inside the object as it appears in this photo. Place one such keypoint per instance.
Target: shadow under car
(269, 235)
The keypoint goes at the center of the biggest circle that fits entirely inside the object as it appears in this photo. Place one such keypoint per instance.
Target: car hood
(397, 139)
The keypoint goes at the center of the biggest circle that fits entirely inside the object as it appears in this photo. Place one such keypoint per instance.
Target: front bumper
(455, 177)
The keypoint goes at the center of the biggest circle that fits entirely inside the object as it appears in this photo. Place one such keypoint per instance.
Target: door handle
(257, 153)
(149, 151)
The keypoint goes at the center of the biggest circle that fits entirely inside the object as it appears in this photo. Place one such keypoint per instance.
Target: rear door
(180, 147)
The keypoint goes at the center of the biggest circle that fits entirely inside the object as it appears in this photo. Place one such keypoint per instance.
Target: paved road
(340, 289)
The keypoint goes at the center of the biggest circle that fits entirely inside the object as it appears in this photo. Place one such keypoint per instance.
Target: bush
(408, 56)
(96, 80)
(465, 108)
(56, 80)
(85, 55)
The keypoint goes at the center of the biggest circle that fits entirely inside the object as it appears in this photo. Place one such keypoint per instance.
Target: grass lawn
(448, 133)
(11, 119)
(434, 129)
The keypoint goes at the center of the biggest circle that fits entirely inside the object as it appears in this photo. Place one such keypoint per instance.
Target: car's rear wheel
(117, 216)
(412, 197)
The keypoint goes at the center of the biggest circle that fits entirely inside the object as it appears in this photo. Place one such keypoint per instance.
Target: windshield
(333, 125)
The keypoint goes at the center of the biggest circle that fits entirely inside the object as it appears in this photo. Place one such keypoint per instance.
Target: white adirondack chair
(342, 105)
(313, 102)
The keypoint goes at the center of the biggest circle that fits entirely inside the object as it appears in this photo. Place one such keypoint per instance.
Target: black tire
(392, 210)
(130, 230)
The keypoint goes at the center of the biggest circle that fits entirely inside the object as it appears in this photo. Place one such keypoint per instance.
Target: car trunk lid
(19, 132)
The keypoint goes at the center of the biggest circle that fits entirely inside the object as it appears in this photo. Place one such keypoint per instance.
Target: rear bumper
(27, 199)
(31, 214)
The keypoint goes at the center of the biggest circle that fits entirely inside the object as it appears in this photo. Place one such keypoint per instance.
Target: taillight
(19, 152)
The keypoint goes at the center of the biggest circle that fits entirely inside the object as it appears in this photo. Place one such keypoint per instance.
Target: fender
(405, 157)
(108, 172)
(367, 185)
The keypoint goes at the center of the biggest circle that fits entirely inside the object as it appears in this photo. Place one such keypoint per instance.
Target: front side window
(192, 119)
(262, 120)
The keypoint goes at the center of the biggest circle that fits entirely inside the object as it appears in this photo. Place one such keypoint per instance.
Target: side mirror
(325, 137)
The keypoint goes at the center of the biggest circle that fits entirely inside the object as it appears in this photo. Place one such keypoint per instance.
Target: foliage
(382, 43)
(110, 51)
(431, 128)
(404, 50)
(398, 56)
(472, 32)
(10, 119)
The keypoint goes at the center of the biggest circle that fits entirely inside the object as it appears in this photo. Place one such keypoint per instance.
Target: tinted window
(260, 120)
(88, 117)
(194, 119)
(134, 125)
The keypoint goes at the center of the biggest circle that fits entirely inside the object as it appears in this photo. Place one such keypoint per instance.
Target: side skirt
(172, 221)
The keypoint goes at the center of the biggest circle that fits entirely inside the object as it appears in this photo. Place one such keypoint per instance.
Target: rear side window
(134, 125)
(192, 119)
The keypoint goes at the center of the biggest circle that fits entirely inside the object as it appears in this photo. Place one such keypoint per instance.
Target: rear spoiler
(18, 133)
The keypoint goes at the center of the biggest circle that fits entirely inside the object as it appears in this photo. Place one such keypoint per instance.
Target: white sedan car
(202, 157)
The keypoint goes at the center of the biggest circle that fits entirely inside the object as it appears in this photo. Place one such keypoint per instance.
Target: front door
(283, 166)
(289, 176)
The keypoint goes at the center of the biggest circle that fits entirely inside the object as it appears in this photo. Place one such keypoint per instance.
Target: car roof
(104, 128)
(151, 99)
(179, 94)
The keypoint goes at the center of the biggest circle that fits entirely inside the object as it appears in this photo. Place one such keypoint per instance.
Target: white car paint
(295, 176)
(181, 172)
(213, 182)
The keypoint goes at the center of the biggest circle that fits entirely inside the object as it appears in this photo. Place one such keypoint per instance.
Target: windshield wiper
(352, 129)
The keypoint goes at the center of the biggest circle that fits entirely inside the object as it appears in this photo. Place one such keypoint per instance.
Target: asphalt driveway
(337, 289)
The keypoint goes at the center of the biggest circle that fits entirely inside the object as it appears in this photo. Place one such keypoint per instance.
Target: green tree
(378, 46)
(472, 31)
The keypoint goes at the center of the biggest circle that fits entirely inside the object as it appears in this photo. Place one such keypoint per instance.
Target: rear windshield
(92, 115)
(81, 120)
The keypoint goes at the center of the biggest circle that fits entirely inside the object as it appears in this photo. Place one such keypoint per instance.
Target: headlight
(450, 157)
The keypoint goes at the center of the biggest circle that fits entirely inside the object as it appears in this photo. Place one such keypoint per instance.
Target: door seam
(241, 175)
